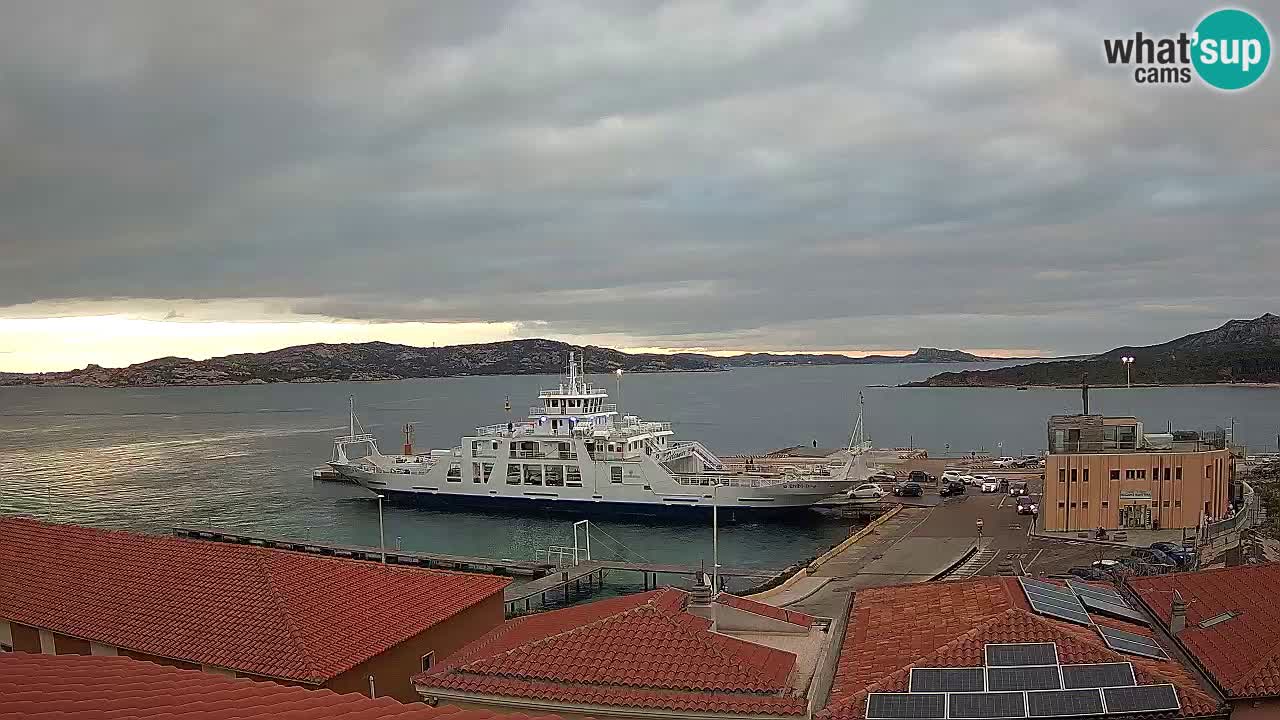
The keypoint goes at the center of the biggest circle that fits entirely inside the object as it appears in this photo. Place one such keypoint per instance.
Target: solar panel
(1080, 616)
(986, 705)
(1128, 642)
(1045, 588)
(1142, 698)
(971, 679)
(1098, 675)
(1102, 593)
(1043, 677)
(1009, 654)
(1064, 703)
(898, 706)
(1110, 609)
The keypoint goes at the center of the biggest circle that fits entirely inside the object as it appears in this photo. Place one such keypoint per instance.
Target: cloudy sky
(204, 178)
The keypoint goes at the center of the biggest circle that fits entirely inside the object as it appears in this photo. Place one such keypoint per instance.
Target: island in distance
(1240, 351)
(387, 361)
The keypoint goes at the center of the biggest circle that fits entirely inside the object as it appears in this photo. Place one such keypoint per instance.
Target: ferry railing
(564, 390)
(561, 412)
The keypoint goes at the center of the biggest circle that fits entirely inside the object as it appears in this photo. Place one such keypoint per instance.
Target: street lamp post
(715, 551)
(382, 543)
(1127, 360)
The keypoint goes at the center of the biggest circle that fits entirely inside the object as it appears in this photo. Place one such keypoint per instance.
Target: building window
(1208, 471)
(1086, 474)
(1115, 474)
(1167, 474)
(1062, 474)
(615, 474)
(428, 660)
(1166, 503)
(1142, 473)
(1074, 474)
(1177, 503)
(1177, 473)
(1061, 504)
(1105, 504)
(1073, 505)
(1130, 474)
(1084, 505)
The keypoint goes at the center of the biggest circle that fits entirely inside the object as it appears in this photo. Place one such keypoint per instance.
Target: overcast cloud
(801, 174)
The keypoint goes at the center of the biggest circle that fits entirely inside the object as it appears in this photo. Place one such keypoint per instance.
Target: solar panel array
(1055, 601)
(1022, 680)
(1131, 643)
(1106, 601)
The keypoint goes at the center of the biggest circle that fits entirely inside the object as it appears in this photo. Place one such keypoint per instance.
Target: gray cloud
(778, 174)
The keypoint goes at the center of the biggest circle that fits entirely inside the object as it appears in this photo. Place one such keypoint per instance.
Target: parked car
(1018, 488)
(920, 476)
(1180, 555)
(908, 489)
(1004, 485)
(1027, 505)
(1029, 461)
(969, 480)
(1107, 565)
(1153, 557)
(990, 485)
(883, 477)
(1088, 573)
(867, 491)
(949, 475)
(1005, 462)
(951, 487)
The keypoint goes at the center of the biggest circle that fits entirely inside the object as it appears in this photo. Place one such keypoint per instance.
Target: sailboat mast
(351, 400)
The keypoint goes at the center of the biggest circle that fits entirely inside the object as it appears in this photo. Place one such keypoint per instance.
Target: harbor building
(294, 618)
(665, 653)
(1104, 471)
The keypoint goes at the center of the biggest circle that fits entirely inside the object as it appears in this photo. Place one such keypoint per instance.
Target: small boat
(1022, 387)
(327, 474)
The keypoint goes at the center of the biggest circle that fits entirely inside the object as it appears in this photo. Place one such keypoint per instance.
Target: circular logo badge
(1232, 49)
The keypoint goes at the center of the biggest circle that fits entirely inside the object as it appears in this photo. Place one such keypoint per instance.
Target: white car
(989, 485)
(1005, 462)
(952, 476)
(867, 491)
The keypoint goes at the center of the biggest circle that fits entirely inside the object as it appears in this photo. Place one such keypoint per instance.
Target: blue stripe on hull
(535, 506)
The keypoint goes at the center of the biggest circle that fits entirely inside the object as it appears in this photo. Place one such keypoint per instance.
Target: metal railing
(559, 411)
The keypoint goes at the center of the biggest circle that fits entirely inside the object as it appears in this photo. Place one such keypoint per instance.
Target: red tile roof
(893, 629)
(1242, 653)
(67, 687)
(769, 611)
(265, 612)
(636, 651)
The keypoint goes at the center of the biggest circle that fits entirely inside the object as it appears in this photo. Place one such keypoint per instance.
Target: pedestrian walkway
(975, 564)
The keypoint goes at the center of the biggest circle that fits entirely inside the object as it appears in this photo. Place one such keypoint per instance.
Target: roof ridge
(704, 637)
(289, 627)
(467, 667)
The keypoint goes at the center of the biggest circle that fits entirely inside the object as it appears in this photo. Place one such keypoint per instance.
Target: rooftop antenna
(408, 438)
(351, 401)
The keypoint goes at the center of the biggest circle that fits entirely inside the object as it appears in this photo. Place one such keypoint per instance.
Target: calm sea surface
(241, 457)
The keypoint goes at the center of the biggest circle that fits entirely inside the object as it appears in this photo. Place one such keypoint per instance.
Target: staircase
(684, 449)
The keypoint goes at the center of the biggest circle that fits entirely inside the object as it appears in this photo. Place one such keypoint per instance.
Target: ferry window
(615, 474)
(428, 660)
(555, 475)
(1177, 473)
(1115, 474)
(513, 473)
(475, 472)
(495, 444)
(572, 476)
(488, 470)
(455, 473)
(532, 474)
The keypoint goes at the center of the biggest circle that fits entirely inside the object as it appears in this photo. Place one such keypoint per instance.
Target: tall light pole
(1127, 362)
(382, 543)
(715, 552)
(618, 373)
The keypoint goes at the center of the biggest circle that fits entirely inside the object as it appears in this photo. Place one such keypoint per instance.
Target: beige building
(1106, 472)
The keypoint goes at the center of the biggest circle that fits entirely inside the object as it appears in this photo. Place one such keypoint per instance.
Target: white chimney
(1178, 617)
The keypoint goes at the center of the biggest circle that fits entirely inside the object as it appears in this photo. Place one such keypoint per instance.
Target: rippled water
(241, 457)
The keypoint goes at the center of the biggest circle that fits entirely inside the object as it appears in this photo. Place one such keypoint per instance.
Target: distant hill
(1238, 351)
(387, 361)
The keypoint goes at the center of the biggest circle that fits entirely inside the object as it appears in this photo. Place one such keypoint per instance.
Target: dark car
(951, 487)
(1004, 485)
(908, 489)
(919, 476)
(1180, 555)
(1085, 573)
(1019, 488)
(1027, 505)
(1153, 557)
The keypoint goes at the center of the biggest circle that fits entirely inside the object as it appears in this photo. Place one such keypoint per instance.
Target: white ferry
(575, 453)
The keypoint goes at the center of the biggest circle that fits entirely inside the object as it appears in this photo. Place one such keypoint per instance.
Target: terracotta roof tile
(67, 687)
(636, 651)
(893, 629)
(1242, 653)
(259, 611)
(769, 611)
